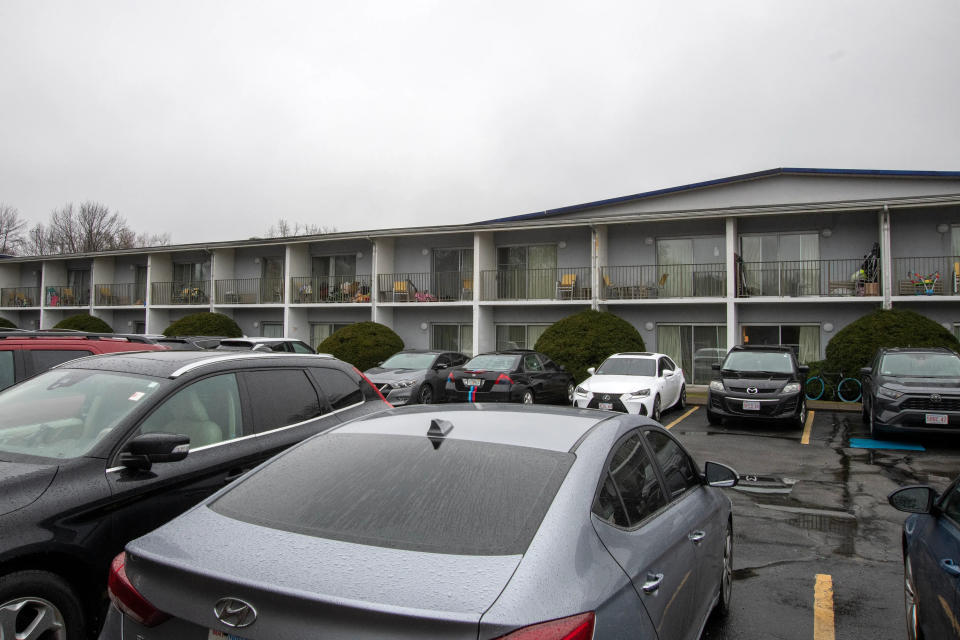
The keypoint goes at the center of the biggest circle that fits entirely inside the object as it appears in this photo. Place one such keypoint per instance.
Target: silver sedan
(468, 521)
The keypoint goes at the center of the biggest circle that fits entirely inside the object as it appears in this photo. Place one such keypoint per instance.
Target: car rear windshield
(921, 365)
(409, 361)
(463, 497)
(628, 367)
(493, 362)
(759, 361)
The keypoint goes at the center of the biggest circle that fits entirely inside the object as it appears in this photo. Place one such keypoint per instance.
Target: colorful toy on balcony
(925, 284)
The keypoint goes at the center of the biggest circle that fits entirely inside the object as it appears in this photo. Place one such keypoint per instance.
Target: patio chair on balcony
(66, 296)
(466, 293)
(566, 284)
(404, 289)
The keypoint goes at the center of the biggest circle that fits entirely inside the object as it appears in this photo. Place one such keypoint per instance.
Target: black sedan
(103, 449)
(912, 389)
(414, 375)
(931, 560)
(517, 375)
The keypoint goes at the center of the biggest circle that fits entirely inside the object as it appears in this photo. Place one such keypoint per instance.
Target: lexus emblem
(752, 390)
(606, 396)
(935, 397)
(234, 612)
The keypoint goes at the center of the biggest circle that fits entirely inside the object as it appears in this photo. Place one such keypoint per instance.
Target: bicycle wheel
(813, 388)
(849, 390)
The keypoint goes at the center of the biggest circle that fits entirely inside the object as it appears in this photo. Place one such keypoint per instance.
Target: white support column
(295, 324)
(733, 331)
(484, 259)
(383, 255)
(598, 262)
(886, 260)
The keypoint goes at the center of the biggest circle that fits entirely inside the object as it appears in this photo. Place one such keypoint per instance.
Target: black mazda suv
(758, 383)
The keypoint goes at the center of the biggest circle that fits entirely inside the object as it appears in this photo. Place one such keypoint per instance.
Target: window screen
(280, 397)
(678, 470)
(341, 390)
(636, 480)
(464, 497)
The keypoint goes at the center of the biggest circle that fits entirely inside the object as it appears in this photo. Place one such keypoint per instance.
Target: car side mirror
(591, 370)
(720, 475)
(916, 499)
(803, 369)
(865, 371)
(715, 366)
(441, 366)
(148, 448)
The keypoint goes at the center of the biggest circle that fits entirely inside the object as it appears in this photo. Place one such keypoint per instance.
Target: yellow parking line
(669, 426)
(807, 427)
(823, 608)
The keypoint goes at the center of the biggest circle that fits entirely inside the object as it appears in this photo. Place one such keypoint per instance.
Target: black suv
(103, 449)
(912, 389)
(763, 382)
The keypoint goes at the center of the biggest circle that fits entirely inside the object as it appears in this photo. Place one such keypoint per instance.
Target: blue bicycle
(847, 389)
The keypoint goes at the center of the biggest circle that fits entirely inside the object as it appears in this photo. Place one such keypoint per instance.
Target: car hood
(21, 484)
(618, 384)
(379, 374)
(914, 385)
(295, 579)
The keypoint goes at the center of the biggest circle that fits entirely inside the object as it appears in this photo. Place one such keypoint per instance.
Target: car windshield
(628, 367)
(62, 413)
(921, 365)
(409, 361)
(759, 361)
(493, 362)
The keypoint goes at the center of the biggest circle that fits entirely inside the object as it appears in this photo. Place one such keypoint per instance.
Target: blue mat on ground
(867, 443)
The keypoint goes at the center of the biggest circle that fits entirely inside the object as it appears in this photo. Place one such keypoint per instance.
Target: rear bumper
(497, 395)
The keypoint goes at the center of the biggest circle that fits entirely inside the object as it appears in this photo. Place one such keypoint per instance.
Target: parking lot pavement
(817, 547)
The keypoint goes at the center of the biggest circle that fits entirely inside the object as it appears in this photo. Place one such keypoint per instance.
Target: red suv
(26, 353)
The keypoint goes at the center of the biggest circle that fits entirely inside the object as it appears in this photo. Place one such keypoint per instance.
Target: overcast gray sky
(211, 120)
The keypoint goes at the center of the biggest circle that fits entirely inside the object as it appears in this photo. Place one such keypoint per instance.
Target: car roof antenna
(438, 431)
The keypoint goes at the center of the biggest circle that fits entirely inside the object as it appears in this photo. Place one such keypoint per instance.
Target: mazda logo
(752, 390)
(234, 612)
(935, 397)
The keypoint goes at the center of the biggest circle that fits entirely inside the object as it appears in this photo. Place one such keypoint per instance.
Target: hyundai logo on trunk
(234, 612)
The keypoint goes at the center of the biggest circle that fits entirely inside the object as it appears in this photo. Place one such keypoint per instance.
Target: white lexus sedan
(644, 383)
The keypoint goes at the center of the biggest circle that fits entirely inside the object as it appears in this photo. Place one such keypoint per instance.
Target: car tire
(426, 394)
(872, 423)
(528, 397)
(911, 606)
(570, 389)
(801, 418)
(681, 402)
(726, 575)
(27, 597)
(863, 409)
(655, 414)
(713, 418)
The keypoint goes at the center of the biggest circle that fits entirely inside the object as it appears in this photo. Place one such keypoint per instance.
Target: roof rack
(74, 334)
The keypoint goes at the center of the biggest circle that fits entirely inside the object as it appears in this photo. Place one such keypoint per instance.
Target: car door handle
(653, 582)
(951, 567)
(696, 537)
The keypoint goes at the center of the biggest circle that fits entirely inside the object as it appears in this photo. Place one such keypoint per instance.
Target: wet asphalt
(809, 509)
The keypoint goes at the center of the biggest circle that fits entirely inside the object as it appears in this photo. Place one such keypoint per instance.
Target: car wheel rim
(425, 395)
(570, 393)
(910, 601)
(527, 398)
(31, 618)
(727, 580)
(656, 409)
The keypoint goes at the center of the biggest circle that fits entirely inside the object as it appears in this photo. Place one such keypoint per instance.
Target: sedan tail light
(578, 627)
(127, 599)
(503, 378)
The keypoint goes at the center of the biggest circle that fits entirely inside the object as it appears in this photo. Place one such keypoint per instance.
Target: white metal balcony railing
(934, 276)
(437, 286)
(67, 296)
(663, 281)
(330, 289)
(559, 283)
(180, 293)
(20, 296)
(121, 294)
(249, 291)
(800, 278)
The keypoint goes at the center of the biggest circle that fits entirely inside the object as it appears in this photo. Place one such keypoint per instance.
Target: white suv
(643, 383)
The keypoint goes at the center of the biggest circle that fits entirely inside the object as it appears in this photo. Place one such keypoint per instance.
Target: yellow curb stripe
(670, 426)
(823, 608)
(807, 428)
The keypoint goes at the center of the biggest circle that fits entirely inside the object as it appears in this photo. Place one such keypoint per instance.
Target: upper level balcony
(180, 293)
(437, 286)
(119, 295)
(800, 278)
(330, 289)
(65, 296)
(663, 281)
(554, 283)
(20, 296)
(936, 276)
(249, 291)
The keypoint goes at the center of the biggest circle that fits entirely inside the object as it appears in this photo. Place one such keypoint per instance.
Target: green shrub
(364, 344)
(204, 324)
(855, 345)
(84, 322)
(585, 339)
(6, 324)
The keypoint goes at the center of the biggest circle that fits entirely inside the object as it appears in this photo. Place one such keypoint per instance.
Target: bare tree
(285, 229)
(12, 226)
(37, 242)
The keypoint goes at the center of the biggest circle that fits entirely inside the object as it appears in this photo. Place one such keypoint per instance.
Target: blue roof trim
(729, 180)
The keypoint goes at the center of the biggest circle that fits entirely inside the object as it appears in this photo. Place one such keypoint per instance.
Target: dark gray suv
(758, 383)
(912, 389)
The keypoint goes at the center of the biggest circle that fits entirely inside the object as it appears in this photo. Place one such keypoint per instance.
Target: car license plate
(751, 405)
(937, 418)
(220, 635)
(606, 405)
(472, 382)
